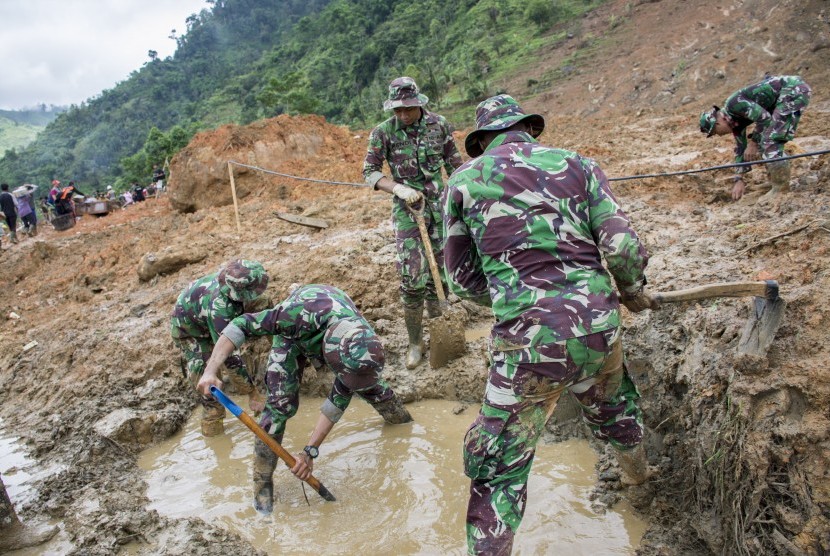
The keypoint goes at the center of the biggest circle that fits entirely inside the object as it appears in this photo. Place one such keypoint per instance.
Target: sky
(63, 52)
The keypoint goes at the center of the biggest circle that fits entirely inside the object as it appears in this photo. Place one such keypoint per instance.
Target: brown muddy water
(400, 489)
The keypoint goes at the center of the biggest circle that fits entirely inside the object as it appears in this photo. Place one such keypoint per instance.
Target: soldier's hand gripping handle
(407, 194)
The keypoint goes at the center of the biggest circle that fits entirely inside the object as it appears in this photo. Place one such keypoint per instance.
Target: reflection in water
(400, 489)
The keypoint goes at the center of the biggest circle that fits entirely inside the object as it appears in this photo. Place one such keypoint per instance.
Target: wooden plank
(302, 220)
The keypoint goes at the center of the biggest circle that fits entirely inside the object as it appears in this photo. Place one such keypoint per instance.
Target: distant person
(158, 179)
(8, 206)
(774, 105)
(416, 144)
(110, 195)
(27, 208)
(320, 325)
(138, 193)
(128, 198)
(13, 534)
(64, 203)
(528, 227)
(201, 313)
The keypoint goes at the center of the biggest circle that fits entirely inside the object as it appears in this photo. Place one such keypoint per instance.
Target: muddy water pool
(400, 489)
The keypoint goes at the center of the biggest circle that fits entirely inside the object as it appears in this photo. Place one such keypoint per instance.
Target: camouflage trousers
(411, 262)
(195, 355)
(523, 387)
(782, 127)
(283, 377)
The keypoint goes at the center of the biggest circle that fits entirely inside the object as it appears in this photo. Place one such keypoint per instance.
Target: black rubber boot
(413, 316)
(393, 411)
(265, 461)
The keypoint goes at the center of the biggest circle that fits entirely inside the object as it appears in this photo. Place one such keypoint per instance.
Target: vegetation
(243, 60)
(18, 128)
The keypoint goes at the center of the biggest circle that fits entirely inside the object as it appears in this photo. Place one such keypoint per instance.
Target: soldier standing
(201, 313)
(774, 105)
(416, 144)
(531, 235)
(320, 325)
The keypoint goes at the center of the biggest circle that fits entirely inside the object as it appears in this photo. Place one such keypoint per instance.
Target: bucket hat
(354, 352)
(708, 120)
(496, 113)
(403, 91)
(244, 280)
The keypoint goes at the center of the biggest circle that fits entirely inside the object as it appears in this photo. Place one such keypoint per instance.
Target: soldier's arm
(462, 262)
(624, 254)
(375, 157)
(452, 158)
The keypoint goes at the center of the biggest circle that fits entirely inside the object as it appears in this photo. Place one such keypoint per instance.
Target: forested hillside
(243, 60)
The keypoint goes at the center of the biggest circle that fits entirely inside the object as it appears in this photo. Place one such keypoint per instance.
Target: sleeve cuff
(234, 334)
(331, 411)
(373, 179)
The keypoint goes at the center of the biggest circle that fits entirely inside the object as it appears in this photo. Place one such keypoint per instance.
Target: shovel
(768, 309)
(446, 333)
(270, 442)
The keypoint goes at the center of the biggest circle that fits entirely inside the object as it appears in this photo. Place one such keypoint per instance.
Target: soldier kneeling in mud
(321, 325)
(202, 312)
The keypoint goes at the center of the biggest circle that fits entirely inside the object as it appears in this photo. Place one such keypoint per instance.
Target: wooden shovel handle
(768, 290)
(418, 215)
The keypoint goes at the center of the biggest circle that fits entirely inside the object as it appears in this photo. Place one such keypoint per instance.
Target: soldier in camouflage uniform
(528, 224)
(320, 325)
(416, 144)
(774, 105)
(202, 312)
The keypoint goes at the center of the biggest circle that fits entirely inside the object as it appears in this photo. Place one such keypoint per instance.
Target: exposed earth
(740, 442)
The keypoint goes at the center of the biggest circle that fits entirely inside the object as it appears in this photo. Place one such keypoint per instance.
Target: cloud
(59, 52)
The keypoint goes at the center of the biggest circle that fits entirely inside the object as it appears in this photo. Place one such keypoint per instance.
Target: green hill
(18, 128)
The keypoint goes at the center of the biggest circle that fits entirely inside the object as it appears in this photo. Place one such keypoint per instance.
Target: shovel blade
(760, 330)
(446, 337)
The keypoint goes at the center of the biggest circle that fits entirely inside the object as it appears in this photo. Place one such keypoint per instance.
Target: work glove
(407, 194)
(640, 301)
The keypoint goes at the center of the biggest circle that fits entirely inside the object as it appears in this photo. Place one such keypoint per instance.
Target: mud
(365, 461)
(740, 442)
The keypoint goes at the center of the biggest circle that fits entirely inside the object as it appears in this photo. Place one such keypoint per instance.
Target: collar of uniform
(427, 117)
(511, 137)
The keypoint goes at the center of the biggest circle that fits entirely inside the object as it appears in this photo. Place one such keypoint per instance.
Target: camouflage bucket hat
(244, 280)
(354, 352)
(496, 113)
(708, 120)
(403, 91)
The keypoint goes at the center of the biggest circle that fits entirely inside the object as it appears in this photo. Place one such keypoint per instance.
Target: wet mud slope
(88, 374)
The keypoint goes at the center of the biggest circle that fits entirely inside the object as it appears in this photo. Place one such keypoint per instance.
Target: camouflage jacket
(202, 311)
(415, 153)
(528, 223)
(755, 104)
(298, 326)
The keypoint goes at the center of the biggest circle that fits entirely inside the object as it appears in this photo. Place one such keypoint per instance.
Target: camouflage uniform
(320, 325)
(774, 105)
(202, 312)
(527, 224)
(415, 155)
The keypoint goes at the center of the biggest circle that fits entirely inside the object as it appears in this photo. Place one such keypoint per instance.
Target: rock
(153, 264)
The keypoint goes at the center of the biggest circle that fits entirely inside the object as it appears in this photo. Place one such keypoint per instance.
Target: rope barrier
(297, 177)
(721, 167)
(624, 178)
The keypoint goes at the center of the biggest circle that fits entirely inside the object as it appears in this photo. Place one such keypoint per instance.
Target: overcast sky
(65, 51)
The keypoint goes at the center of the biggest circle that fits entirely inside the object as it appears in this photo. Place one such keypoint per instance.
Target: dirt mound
(88, 374)
(199, 172)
